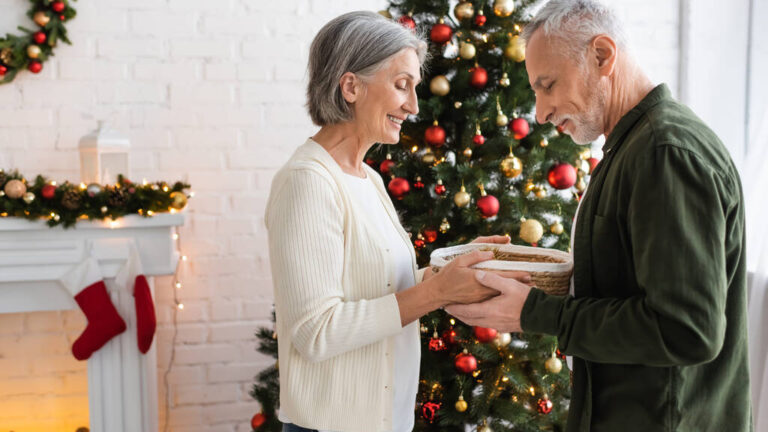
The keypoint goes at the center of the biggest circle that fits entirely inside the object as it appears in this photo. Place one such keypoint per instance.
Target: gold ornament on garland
(34, 51)
(544, 142)
(41, 18)
(15, 189)
(531, 231)
(178, 200)
(464, 10)
(503, 8)
(556, 228)
(6, 55)
(445, 226)
(28, 197)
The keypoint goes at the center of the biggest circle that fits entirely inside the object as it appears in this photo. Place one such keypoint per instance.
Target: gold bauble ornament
(501, 120)
(428, 158)
(484, 428)
(467, 152)
(529, 186)
(504, 81)
(179, 200)
(541, 192)
(467, 50)
(531, 230)
(41, 18)
(457, 104)
(34, 51)
(581, 185)
(445, 226)
(15, 189)
(544, 142)
(462, 198)
(553, 364)
(515, 49)
(511, 166)
(556, 228)
(464, 10)
(461, 404)
(503, 8)
(29, 197)
(439, 85)
(104, 209)
(503, 339)
(385, 13)
(6, 55)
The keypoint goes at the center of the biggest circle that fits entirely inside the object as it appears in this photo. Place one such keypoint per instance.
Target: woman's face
(389, 97)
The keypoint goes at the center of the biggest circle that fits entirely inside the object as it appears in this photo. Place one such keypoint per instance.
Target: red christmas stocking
(145, 313)
(104, 322)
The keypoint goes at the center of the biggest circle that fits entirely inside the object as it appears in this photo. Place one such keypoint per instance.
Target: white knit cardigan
(334, 297)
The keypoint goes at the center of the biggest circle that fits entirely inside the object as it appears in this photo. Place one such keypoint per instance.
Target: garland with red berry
(32, 49)
(65, 204)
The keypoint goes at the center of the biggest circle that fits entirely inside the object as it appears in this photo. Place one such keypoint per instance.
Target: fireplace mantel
(122, 383)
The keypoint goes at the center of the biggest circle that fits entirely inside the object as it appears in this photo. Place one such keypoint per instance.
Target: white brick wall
(211, 92)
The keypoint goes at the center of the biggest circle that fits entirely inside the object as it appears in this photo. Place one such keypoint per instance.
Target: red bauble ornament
(429, 410)
(544, 406)
(48, 191)
(62, 17)
(258, 420)
(485, 335)
(562, 176)
(418, 184)
(480, 20)
(519, 128)
(39, 37)
(35, 66)
(478, 139)
(58, 6)
(398, 187)
(386, 165)
(440, 33)
(440, 189)
(435, 135)
(436, 344)
(479, 77)
(592, 163)
(407, 21)
(419, 243)
(465, 363)
(450, 336)
(430, 235)
(488, 205)
(3, 70)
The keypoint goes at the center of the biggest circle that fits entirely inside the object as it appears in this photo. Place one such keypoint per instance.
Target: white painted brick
(132, 48)
(260, 310)
(240, 24)
(204, 48)
(202, 5)
(27, 117)
(224, 310)
(206, 394)
(243, 372)
(206, 138)
(101, 21)
(232, 116)
(267, 48)
(176, 72)
(233, 332)
(202, 94)
(228, 181)
(196, 159)
(163, 23)
(220, 71)
(205, 354)
(132, 92)
(253, 72)
(230, 412)
(94, 70)
(253, 93)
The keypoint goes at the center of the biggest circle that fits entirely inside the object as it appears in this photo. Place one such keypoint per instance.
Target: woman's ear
(350, 87)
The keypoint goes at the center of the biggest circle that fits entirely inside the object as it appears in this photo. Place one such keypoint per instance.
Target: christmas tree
(472, 163)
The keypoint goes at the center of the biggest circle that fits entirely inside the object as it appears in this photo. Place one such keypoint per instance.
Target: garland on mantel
(67, 203)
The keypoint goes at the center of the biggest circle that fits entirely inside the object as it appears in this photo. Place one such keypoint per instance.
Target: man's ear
(350, 87)
(603, 51)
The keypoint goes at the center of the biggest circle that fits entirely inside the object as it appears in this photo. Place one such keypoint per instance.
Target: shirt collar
(659, 93)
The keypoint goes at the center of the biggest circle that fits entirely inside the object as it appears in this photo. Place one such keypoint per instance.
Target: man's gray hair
(575, 23)
(358, 42)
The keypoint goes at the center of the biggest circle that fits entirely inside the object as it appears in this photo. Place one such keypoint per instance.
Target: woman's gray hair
(358, 42)
(575, 23)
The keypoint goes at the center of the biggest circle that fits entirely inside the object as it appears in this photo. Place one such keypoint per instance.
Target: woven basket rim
(439, 258)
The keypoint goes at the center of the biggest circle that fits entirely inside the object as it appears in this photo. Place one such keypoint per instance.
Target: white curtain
(755, 180)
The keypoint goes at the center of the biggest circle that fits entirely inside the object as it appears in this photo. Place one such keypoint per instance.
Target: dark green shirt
(658, 321)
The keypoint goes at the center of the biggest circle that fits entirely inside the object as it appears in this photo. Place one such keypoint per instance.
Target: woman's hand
(498, 239)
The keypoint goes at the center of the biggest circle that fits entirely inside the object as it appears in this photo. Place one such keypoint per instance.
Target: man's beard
(587, 126)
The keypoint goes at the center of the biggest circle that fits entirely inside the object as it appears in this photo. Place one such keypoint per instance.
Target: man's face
(568, 95)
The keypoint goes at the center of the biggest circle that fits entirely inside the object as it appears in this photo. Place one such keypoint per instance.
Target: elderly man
(656, 321)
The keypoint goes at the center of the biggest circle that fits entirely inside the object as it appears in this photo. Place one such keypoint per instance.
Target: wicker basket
(550, 269)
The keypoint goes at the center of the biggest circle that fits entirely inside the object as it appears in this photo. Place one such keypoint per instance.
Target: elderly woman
(348, 295)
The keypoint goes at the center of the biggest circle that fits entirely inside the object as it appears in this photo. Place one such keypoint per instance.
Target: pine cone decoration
(71, 199)
(117, 198)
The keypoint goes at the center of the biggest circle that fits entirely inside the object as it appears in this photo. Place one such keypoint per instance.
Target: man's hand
(501, 312)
